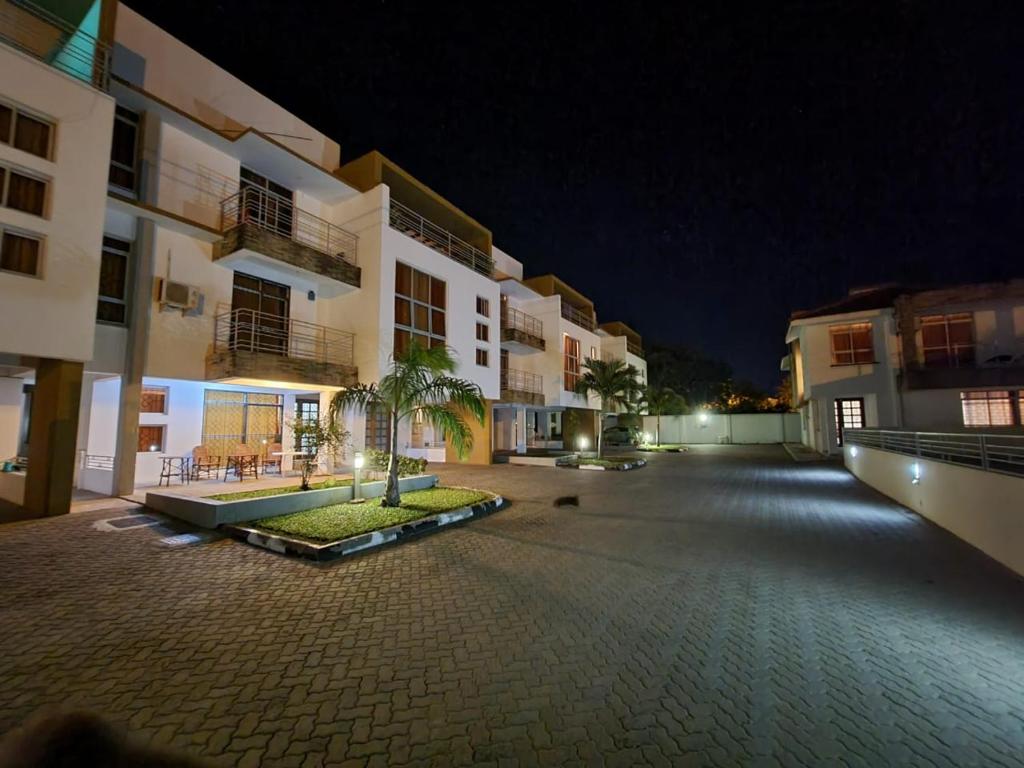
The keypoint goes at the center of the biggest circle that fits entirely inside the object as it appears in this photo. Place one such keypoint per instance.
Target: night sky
(698, 170)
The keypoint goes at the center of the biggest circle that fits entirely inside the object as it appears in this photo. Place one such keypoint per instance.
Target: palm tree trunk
(392, 498)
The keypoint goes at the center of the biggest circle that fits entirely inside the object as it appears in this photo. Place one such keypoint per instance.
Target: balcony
(521, 333)
(967, 377)
(634, 349)
(59, 42)
(583, 319)
(256, 345)
(410, 223)
(265, 228)
(521, 387)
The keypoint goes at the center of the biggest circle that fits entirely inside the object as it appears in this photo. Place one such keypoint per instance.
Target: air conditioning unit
(178, 295)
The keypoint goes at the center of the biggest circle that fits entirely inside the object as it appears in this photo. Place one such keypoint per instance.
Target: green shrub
(378, 461)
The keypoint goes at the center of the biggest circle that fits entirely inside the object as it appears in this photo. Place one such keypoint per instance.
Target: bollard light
(357, 462)
(647, 438)
(582, 443)
(702, 417)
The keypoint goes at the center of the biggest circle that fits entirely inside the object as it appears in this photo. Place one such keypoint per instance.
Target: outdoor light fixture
(154, 448)
(703, 417)
(647, 438)
(357, 462)
(915, 473)
(853, 451)
(582, 443)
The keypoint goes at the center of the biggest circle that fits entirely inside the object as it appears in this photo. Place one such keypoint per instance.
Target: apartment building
(231, 274)
(945, 359)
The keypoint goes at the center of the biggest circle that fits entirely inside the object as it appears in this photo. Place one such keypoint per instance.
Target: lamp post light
(357, 462)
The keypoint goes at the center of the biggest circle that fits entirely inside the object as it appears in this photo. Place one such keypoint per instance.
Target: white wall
(11, 403)
(54, 315)
(179, 75)
(982, 508)
(739, 428)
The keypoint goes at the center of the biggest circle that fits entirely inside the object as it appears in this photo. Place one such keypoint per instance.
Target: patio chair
(203, 463)
(270, 460)
(242, 460)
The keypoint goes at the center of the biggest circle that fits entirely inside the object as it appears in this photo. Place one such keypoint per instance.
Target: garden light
(703, 417)
(357, 462)
(582, 443)
(647, 438)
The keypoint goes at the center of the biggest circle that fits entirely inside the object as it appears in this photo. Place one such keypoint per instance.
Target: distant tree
(697, 378)
(614, 382)
(661, 401)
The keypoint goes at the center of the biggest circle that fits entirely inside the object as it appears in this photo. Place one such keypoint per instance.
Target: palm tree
(419, 384)
(661, 401)
(613, 381)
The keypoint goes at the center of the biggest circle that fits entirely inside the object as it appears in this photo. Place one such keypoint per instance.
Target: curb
(364, 542)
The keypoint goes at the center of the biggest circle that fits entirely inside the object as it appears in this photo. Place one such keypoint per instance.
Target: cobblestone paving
(720, 608)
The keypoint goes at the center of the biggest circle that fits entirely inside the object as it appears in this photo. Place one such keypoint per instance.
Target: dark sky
(698, 170)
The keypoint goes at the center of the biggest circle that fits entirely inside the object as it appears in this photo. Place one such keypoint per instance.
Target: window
(124, 151)
(151, 438)
(112, 306)
(20, 252)
(233, 418)
(483, 306)
(24, 131)
(482, 332)
(420, 302)
(378, 429)
(307, 411)
(153, 400)
(849, 415)
(22, 192)
(571, 366)
(851, 344)
(993, 408)
(947, 341)
(593, 353)
(481, 357)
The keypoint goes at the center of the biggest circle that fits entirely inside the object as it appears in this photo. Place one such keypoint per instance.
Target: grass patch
(259, 493)
(339, 521)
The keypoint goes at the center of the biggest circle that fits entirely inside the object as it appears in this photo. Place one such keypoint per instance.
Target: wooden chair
(270, 460)
(204, 463)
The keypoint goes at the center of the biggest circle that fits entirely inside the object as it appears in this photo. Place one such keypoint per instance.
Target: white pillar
(520, 430)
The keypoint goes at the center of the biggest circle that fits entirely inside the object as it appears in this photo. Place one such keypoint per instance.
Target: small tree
(613, 381)
(316, 438)
(419, 383)
(661, 401)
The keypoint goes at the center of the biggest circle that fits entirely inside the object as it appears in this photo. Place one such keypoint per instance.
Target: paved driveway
(725, 607)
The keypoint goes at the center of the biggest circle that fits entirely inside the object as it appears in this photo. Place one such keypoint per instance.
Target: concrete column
(136, 351)
(520, 430)
(51, 442)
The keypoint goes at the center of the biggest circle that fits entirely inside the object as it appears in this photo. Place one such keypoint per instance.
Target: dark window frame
(856, 355)
(131, 118)
(115, 246)
(16, 112)
(39, 255)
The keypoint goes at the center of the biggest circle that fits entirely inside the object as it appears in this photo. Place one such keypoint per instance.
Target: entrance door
(270, 206)
(849, 415)
(260, 312)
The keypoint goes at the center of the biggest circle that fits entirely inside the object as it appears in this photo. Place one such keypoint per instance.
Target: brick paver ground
(725, 607)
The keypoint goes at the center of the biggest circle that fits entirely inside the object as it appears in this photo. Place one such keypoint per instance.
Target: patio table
(179, 467)
(242, 463)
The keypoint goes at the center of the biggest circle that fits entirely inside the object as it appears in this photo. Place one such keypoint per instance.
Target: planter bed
(600, 465)
(663, 448)
(337, 530)
(207, 512)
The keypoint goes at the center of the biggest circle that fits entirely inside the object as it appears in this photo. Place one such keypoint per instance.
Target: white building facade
(935, 360)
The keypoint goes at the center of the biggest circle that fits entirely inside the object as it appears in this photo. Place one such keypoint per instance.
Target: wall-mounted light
(915, 473)
(154, 448)
(702, 417)
(853, 451)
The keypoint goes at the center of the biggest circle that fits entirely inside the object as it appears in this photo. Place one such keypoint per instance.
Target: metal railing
(521, 381)
(577, 316)
(517, 320)
(275, 213)
(410, 223)
(992, 453)
(247, 330)
(55, 41)
(634, 349)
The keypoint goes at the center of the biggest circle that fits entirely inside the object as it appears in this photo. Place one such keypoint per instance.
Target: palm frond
(445, 418)
(356, 398)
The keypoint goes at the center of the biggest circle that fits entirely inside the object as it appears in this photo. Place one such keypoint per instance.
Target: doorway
(260, 310)
(849, 415)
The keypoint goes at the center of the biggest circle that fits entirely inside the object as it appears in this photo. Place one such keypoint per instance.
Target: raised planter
(211, 513)
(288, 545)
(624, 467)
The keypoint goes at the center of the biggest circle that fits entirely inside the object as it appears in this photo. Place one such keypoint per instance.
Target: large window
(571, 364)
(20, 252)
(25, 131)
(231, 418)
(851, 344)
(124, 151)
(990, 408)
(420, 302)
(948, 340)
(112, 305)
(22, 192)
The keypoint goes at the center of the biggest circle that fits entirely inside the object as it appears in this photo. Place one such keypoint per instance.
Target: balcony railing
(521, 381)
(516, 320)
(580, 318)
(274, 213)
(634, 349)
(992, 453)
(410, 223)
(246, 330)
(49, 38)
